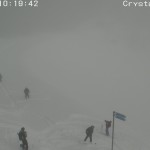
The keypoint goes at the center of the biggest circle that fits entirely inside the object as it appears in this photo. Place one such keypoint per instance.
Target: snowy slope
(50, 129)
(62, 135)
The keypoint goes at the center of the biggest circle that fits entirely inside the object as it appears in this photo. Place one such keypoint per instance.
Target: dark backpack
(89, 130)
(20, 136)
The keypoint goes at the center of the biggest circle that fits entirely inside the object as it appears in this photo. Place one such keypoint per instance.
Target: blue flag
(120, 116)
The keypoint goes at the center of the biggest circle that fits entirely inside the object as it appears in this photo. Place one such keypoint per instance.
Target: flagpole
(113, 130)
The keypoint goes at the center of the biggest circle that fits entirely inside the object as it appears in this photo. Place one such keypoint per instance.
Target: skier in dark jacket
(89, 132)
(108, 125)
(26, 92)
(23, 137)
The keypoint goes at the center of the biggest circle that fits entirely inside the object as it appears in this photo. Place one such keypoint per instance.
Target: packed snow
(46, 134)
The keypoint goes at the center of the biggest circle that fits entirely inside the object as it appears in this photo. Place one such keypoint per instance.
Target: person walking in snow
(108, 125)
(89, 132)
(23, 138)
(26, 92)
(0, 78)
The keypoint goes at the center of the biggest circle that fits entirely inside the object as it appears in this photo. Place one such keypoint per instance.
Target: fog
(94, 55)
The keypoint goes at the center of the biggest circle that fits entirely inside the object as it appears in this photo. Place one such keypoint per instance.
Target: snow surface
(47, 134)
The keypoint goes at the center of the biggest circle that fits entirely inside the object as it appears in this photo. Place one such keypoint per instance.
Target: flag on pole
(120, 116)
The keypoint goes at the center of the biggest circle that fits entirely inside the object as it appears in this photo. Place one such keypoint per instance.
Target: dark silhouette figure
(89, 132)
(0, 78)
(26, 92)
(108, 125)
(23, 137)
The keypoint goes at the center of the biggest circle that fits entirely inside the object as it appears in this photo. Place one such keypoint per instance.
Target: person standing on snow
(89, 132)
(108, 125)
(0, 77)
(26, 92)
(23, 137)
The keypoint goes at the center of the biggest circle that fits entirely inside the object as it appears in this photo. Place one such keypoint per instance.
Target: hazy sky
(94, 51)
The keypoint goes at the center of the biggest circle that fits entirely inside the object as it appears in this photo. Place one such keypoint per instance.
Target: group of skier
(23, 134)
(89, 130)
